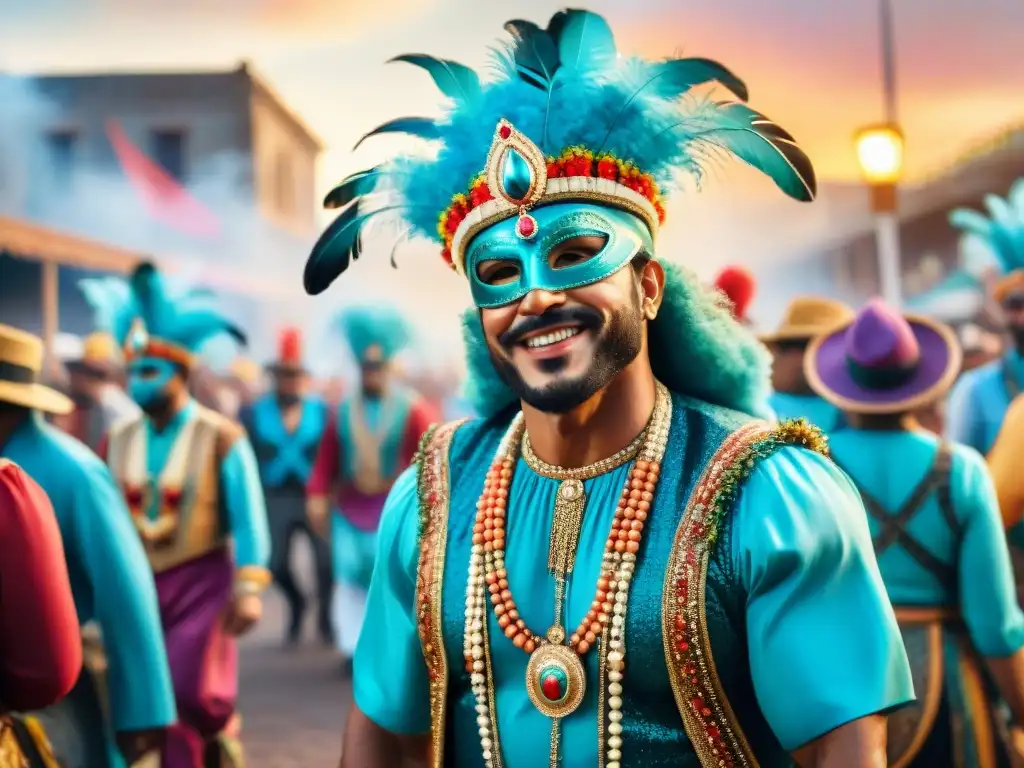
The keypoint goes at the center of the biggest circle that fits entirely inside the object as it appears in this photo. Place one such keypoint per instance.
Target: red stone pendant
(526, 226)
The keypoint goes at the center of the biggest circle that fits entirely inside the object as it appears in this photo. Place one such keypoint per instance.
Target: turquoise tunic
(979, 401)
(817, 411)
(285, 458)
(239, 484)
(793, 569)
(110, 576)
(888, 465)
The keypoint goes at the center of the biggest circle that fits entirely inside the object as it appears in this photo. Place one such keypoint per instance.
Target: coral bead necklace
(555, 675)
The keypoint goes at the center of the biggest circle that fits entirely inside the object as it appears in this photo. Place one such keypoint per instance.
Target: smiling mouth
(550, 338)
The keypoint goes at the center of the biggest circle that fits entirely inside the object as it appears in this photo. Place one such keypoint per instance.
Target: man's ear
(652, 287)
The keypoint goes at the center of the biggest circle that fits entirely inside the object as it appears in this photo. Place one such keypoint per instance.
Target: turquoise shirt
(819, 412)
(824, 646)
(239, 484)
(889, 465)
(285, 457)
(979, 401)
(110, 576)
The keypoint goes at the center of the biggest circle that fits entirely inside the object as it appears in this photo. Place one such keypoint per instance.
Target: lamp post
(880, 155)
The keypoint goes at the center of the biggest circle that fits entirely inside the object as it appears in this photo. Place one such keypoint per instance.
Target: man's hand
(317, 512)
(135, 745)
(243, 613)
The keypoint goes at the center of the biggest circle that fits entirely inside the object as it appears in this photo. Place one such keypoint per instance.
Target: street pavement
(293, 701)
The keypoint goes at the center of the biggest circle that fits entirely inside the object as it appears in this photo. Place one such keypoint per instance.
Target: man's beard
(158, 406)
(617, 344)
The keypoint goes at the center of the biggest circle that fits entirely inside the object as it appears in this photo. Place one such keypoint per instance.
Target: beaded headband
(140, 344)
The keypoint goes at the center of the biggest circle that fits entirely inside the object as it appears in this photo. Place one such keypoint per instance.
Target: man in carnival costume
(193, 490)
(792, 397)
(368, 441)
(937, 534)
(110, 580)
(616, 452)
(980, 399)
(285, 427)
(42, 654)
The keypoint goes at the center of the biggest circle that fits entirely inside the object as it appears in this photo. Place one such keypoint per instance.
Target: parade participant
(738, 286)
(937, 533)
(369, 439)
(42, 650)
(192, 486)
(99, 401)
(110, 580)
(792, 397)
(285, 427)
(980, 398)
(615, 452)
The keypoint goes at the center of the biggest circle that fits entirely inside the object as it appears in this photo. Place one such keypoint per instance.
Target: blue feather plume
(1002, 230)
(363, 326)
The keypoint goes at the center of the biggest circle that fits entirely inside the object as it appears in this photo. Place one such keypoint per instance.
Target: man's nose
(539, 301)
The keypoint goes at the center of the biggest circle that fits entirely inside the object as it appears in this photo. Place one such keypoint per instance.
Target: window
(168, 150)
(284, 184)
(60, 149)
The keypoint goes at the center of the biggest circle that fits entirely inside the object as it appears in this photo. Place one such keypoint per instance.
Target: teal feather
(971, 222)
(197, 326)
(421, 127)
(758, 141)
(534, 53)
(108, 297)
(337, 247)
(363, 326)
(671, 79)
(356, 185)
(584, 41)
(1002, 230)
(456, 81)
(154, 305)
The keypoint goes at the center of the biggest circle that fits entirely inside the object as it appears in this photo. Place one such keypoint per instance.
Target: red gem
(682, 645)
(526, 226)
(172, 499)
(551, 687)
(713, 733)
(134, 497)
(505, 132)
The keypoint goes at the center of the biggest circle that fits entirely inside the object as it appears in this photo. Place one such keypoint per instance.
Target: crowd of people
(803, 545)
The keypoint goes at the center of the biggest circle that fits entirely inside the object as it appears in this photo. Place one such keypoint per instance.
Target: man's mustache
(587, 318)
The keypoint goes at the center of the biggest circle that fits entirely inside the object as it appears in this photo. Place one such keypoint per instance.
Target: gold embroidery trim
(434, 498)
(708, 718)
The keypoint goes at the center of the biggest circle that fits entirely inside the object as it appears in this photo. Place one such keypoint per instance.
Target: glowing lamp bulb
(880, 154)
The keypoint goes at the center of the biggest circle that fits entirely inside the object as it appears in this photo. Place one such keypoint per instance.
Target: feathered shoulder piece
(1002, 230)
(150, 319)
(565, 118)
(378, 326)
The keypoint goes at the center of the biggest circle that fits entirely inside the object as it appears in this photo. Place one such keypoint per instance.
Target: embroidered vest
(190, 521)
(370, 458)
(689, 630)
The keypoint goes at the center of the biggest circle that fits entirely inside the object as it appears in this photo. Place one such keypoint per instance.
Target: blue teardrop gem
(516, 176)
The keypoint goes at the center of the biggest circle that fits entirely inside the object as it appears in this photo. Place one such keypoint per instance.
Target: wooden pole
(51, 314)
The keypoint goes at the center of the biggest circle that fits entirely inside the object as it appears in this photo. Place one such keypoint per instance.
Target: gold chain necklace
(556, 678)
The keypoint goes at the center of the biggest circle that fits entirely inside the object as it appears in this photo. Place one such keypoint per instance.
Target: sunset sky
(812, 66)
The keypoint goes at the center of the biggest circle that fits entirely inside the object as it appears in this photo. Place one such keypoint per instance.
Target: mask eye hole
(498, 271)
(147, 372)
(576, 250)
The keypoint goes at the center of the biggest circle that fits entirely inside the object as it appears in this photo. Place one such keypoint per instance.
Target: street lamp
(880, 155)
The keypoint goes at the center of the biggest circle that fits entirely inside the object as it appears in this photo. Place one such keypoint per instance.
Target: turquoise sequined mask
(144, 388)
(625, 236)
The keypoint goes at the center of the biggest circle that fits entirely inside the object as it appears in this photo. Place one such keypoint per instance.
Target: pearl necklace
(555, 675)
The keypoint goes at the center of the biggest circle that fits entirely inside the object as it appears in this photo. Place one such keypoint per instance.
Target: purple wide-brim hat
(883, 361)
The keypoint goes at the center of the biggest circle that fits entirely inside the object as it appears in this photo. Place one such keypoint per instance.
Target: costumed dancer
(792, 397)
(980, 398)
(285, 427)
(369, 439)
(617, 565)
(99, 400)
(738, 285)
(937, 534)
(42, 649)
(193, 490)
(110, 580)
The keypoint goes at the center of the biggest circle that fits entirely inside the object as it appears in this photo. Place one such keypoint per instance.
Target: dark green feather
(456, 81)
(421, 127)
(337, 247)
(534, 53)
(358, 184)
(672, 78)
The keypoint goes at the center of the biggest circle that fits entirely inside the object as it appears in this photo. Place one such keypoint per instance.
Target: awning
(31, 241)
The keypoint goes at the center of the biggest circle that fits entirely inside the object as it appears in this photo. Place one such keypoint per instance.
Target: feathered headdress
(1002, 230)
(567, 118)
(364, 327)
(737, 284)
(149, 319)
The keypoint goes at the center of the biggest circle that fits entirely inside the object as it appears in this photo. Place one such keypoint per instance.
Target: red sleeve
(328, 460)
(101, 449)
(41, 646)
(421, 415)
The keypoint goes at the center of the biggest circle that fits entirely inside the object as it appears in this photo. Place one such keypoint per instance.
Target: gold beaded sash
(434, 497)
(709, 720)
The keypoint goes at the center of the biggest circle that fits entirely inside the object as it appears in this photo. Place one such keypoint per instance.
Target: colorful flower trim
(574, 161)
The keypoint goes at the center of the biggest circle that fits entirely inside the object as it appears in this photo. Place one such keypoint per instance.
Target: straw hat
(806, 317)
(883, 362)
(21, 362)
(100, 355)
